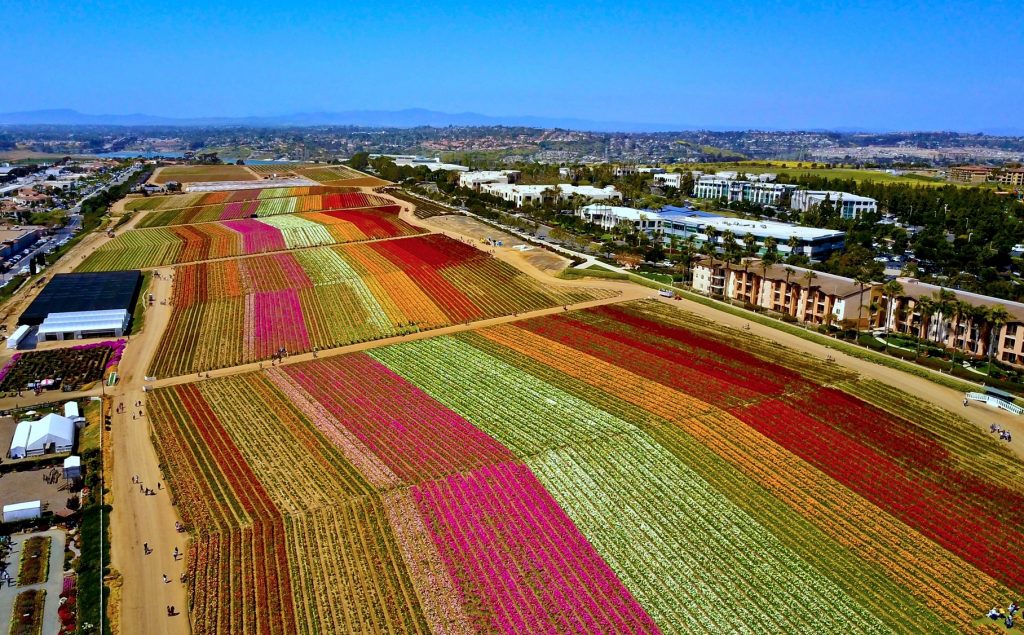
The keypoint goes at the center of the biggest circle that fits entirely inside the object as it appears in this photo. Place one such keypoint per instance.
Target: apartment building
(1010, 176)
(815, 297)
(915, 313)
(970, 173)
(807, 296)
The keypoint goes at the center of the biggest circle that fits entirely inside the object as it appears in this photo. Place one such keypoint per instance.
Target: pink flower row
(506, 542)
(416, 437)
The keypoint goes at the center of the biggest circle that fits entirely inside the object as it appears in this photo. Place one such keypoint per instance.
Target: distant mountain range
(408, 118)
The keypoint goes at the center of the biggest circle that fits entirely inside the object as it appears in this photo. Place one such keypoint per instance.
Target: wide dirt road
(137, 518)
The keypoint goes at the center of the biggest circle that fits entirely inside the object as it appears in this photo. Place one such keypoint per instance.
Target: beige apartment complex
(972, 324)
(970, 173)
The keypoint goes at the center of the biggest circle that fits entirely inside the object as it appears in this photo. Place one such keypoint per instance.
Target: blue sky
(738, 63)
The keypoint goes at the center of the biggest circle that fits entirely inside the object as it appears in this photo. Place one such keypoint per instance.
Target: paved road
(54, 581)
(74, 222)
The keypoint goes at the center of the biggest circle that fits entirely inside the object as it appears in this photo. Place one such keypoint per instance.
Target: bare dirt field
(542, 259)
(30, 485)
(202, 173)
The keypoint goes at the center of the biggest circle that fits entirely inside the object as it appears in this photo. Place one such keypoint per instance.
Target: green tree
(998, 316)
(359, 161)
(891, 290)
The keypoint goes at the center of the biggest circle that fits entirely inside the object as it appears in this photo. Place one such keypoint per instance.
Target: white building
(674, 179)
(22, 511)
(73, 467)
(682, 224)
(51, 434)
(81, 324)
(624, 170)
(433, 164)
(474, 180)
(816, 244)
(610, 216)
(760, 193)
(850, 206)
(19, 334)
(536, 194)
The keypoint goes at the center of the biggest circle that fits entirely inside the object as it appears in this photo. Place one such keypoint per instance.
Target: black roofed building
(77, 305)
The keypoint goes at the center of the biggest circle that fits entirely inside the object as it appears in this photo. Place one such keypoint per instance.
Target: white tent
(22, 511)
(52, 433)
(71, 409)
(73, 467)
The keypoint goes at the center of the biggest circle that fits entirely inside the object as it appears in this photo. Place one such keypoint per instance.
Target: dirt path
(137, 518)
(628, 292)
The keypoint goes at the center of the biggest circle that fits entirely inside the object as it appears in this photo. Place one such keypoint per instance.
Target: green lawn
(802, 168)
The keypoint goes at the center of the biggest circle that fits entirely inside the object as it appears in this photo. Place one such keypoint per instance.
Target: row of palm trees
(944, 303)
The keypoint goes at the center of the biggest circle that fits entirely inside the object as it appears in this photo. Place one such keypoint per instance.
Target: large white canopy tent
(52, 433)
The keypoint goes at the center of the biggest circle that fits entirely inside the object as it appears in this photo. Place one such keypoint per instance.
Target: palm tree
(711, 243)
(927, 308)
(673, 244)
(978, 317)
(793, 243)
(767, 261)
(789, 294)
(872, 310)
(749, 244)
(689, 252)
(998, 316)
(809, 276)
(891, 291)
(863, 279)
(958, 309)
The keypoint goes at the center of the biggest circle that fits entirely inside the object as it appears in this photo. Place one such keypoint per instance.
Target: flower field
(74, 365)
(160, 246)
(231, 312)
(271, 206)
(626, 468)
(181, 201)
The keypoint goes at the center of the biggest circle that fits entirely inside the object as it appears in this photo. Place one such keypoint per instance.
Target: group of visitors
(1008, 617)
(1004, 434)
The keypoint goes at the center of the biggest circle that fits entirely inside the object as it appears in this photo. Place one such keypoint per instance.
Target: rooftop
(763, 228)
(8, 234)
(835, 196)
(69, 292)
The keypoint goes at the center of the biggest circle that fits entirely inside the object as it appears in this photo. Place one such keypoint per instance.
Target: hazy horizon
(871, 67)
